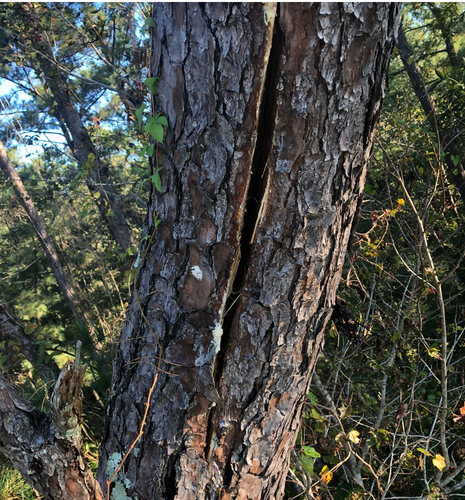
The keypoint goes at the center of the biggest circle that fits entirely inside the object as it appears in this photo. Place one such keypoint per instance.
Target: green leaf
(161, 120)
(369, 189)
(152, 84)
(30, 328)
(307, 463)
(455, 160)
(315, 415)
(147, 150)
(155, 130)
(139, 116)
(313, 398)
(149, 21)
(157, 181)
(310, 452)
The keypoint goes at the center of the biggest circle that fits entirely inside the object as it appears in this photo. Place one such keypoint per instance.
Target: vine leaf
(149, 21)
(147, 150)
(152, 84)
(155, 178)
(154, 126)
(139, 116)
(425, 452)
(307, 463)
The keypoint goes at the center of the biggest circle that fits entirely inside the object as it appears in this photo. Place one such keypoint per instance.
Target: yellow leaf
(422, 466)
(439, 462)
(353, 436)
(326, 475)
(425, 452)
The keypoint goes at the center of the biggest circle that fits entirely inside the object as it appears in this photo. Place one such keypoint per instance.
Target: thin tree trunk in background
(66, 287)
(430, 110)
(81, 144)
(446, 34)
(271, 111)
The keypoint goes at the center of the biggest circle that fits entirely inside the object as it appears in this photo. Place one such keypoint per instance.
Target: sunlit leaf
(326, 475)
(353, 436)
(461, 417)
(439, 462)
(310, 452)
(425, 452)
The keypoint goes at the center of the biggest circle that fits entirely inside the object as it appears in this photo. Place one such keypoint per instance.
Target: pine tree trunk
(61, 278)
(79, 140)
(272, 110)
(456, 172)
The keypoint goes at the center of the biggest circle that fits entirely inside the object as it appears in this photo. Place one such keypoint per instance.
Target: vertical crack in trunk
(257, 194)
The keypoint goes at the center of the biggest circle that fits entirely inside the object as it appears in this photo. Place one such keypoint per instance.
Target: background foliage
(385, 417)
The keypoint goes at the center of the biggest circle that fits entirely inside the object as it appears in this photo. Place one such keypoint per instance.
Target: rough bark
(429, 108)
(47, 449)
(65, 285)
(80, 144)
(271, 112)
(11, 328)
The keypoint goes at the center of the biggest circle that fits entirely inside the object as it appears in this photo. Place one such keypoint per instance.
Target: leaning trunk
(271, 111)
(65, 285)
(429, 108)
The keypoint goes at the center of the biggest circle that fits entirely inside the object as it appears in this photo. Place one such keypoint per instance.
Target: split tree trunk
(272, 112)
(47, 449)
(75, 132)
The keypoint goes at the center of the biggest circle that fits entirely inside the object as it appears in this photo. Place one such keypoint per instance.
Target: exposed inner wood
(257, 192)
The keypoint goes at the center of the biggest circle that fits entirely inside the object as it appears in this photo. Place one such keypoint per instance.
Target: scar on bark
(257, 196)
